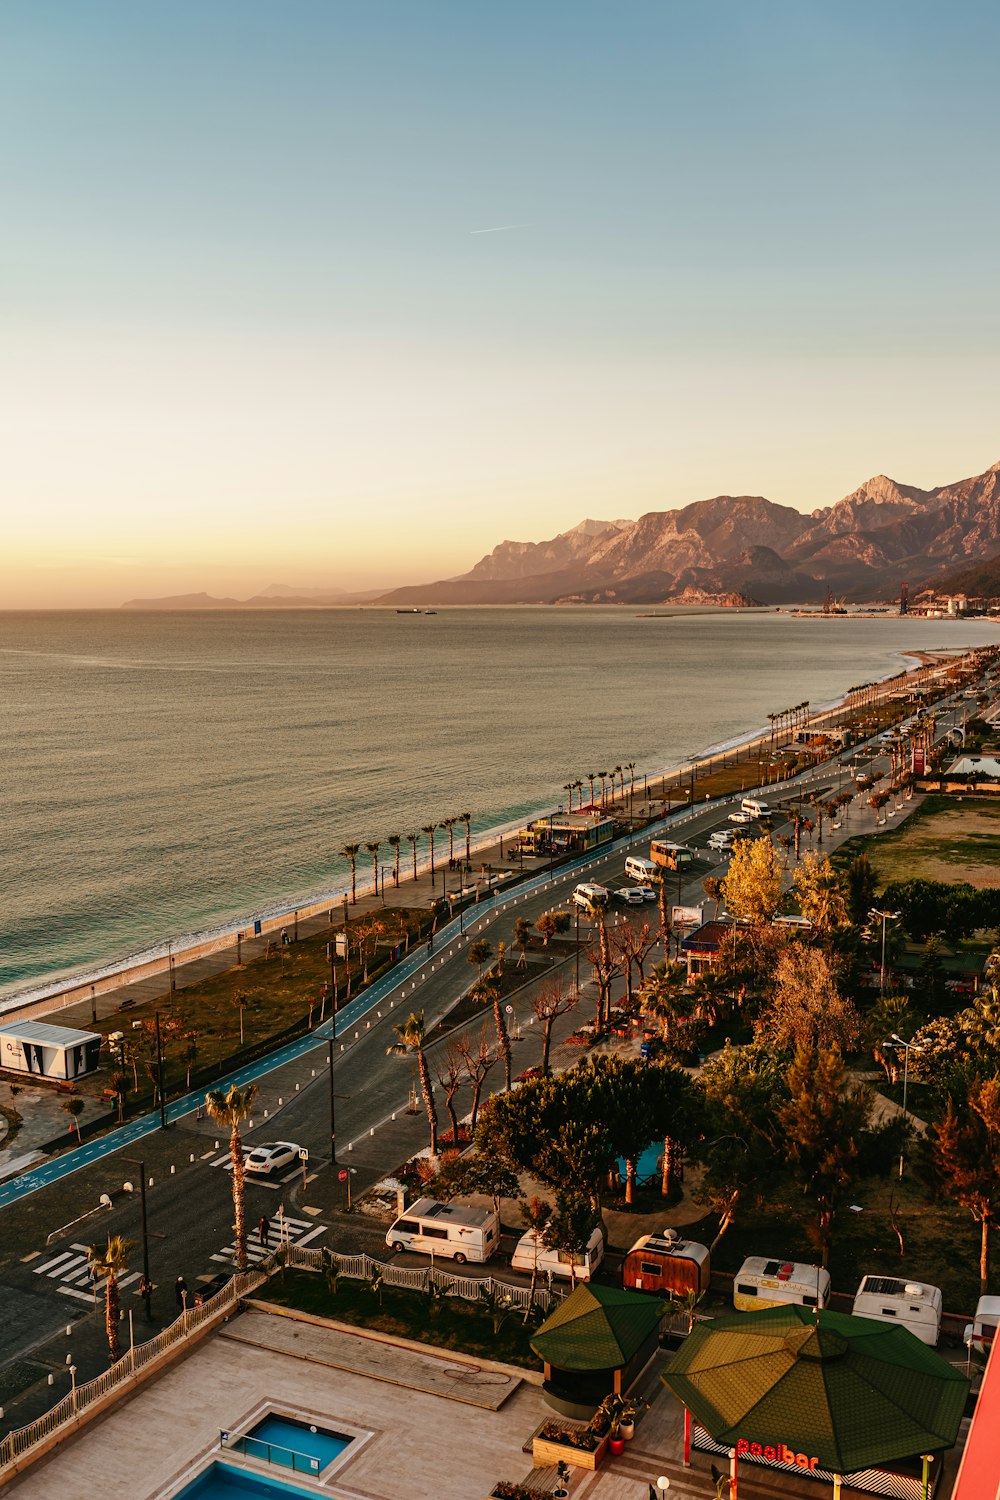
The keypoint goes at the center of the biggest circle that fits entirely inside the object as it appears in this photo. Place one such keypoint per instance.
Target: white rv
(772, 1283)
(981, 1333)
(530, 1253)
(642, 871)
(452, 1229)
(755, 807)
(912, 1303)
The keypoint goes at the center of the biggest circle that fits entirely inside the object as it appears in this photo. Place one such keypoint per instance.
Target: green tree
(966, 1152)
(552, 1128)
(230, 1109)
(412, 1037)
(429, 830)
(373, 849)
(394, 840)
(489, 991)
(460, 1176)
(479, 954)
(822, 1131)
(666, 997)
(821, 894)
(752, 884)
(861, 889)
(522, 937)
(570, 1226)
(546, 927)
(74, 1108)
(107, 1263)
(741, 1090)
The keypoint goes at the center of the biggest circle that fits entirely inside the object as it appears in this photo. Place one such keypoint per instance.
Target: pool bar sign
(778, 1453)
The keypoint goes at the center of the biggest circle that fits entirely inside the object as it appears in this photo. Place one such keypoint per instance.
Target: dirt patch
(947, 838)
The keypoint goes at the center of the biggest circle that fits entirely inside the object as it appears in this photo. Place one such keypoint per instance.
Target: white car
(648, 893)
(740, 817)
(630, 895)
(721, 841)
(272, 1157)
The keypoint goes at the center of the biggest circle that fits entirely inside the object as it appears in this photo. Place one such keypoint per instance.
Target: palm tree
(666, 995)
(449, 823)
(591, 778)
(617, 772)
(413, 840)
(578, 788)
(231, 1109)
(466, 818)
(394, 840)
(568, 789)
(373, 849)
(350, 851)
(107, 1262)
(430, 829)
(411, 1035)
(489, 991)
(602, 777)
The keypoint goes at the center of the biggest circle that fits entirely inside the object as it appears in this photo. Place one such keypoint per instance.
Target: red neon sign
(779, 1454)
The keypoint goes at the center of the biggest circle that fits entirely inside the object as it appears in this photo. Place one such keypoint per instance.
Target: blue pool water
(277, 1438)
(220, 1482)
(646, 1167)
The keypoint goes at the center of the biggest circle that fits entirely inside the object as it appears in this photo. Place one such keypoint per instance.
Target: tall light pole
(884, 917)
(148, 1292)
(908, 1047)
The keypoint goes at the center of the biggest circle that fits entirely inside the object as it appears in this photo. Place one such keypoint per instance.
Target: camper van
(591, 896)
(981, 1333)
(642, 871)
(668, 1265)
(772, 1283)
(755, 807)
(531, 1254)
(912, 1303)
(452, 1229)
(670, 856)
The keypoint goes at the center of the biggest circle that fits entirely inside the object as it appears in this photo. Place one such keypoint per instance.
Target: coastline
(69, 989)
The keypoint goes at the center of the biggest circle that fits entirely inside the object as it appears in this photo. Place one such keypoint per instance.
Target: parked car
(739, 816)
(721, 840)
(630, 895)
(648, 893)
(210, 1288)
(272, 1157)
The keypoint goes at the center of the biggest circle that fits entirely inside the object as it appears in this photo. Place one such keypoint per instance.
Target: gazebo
(824, 1393)
(596, 1342)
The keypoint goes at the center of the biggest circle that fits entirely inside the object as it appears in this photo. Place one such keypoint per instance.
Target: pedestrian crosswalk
(283, 1229)
(71, 1270)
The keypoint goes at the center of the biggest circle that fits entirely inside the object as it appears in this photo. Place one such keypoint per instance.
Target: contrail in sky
(497, 229)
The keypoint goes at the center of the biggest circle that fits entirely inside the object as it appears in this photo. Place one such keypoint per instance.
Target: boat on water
(409, 611)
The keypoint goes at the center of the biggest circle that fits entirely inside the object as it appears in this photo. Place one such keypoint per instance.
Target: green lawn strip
(452, 1324)
(925, 843)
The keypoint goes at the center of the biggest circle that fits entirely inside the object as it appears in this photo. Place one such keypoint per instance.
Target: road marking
(296, 1232)
(72, 1267)
(33, 1256)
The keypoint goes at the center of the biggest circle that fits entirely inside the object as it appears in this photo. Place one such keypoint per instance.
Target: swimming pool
(223, 1482)
(292, 1443)
(648, 1165)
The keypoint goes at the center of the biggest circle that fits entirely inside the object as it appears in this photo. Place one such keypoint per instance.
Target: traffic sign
(303, 1153)
(342, 1175)
(509, 1009)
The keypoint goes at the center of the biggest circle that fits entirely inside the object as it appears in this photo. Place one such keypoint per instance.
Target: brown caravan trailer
(665, 1264)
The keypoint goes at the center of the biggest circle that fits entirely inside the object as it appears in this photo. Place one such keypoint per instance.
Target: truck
(888, 1299)
(760, 1282)
(668, 1265)
(456, 1230)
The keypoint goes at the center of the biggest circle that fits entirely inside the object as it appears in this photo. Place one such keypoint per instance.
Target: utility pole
(148, 1293)
(159, 1075)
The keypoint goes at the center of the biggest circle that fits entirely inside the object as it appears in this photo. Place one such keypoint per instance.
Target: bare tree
(549, 1004)
(478, 1058)
(450, 1072)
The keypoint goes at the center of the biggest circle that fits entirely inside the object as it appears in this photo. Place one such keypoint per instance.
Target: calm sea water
(167, 774)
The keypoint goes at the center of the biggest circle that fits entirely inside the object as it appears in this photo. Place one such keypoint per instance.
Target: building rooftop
(44, 1035)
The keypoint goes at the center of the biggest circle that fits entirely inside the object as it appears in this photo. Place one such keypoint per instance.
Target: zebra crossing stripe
(45, 1268)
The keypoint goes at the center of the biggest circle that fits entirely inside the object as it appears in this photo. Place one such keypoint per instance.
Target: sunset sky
(254, 331)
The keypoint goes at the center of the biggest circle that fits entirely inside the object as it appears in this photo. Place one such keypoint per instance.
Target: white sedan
(272, 1157)
(648, 893)
(631, 895)
(740, 817)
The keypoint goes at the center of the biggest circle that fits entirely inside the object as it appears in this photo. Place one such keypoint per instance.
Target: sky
(255, 329)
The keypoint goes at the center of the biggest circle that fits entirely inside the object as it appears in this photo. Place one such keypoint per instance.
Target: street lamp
(884, 917)
(147, 1285)
(71, 1368)
(908, 1047)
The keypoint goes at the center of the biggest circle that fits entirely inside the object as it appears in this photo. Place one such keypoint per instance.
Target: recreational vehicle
(772, 1283)
(912, 1303)
(666, 1264)
(451, 1229)
(530, 1254)
(981, 1333)
(755, 807)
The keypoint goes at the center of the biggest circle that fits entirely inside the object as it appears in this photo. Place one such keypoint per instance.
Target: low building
(47, 1051)
(700, 949)
(566, 833)
(985, 766)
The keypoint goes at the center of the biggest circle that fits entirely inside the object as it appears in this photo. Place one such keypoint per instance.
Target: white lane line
(68, 1291)
(63, 1256)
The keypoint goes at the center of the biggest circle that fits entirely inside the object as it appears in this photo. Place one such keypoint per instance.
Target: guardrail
(420, 1279)
(130, 1369)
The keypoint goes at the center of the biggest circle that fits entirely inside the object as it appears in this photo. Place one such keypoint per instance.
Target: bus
(670, 856)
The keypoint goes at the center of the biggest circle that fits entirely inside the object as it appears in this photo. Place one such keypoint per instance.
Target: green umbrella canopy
(597, 1328)
(853, 1392)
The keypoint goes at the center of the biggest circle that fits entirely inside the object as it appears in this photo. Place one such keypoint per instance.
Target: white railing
(23, 1439)
(417, 1279)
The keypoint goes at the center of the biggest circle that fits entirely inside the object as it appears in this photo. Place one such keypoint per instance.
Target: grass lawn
(451, 1324)
(945, 838)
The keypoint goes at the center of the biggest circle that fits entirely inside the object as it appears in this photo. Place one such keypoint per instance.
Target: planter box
(546, 1452)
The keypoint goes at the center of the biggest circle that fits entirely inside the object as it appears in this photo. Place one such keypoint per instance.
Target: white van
(591, 896)
(530, 1252)
(452, 1229)
(642, 871)
(755, 807)
(912, 1303)
(773, 1283)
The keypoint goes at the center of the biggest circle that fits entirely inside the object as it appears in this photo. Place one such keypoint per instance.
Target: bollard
(173, 1169)
(265, 1114)
(280, 1103)
(350, 1145)
(296, 1088)
(217, 1145)
(341, 1046)
(394, 1114)
(372, 1131)
(191, 1157)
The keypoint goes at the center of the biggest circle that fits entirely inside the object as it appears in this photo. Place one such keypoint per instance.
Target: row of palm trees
(616, 776)
(395, 841)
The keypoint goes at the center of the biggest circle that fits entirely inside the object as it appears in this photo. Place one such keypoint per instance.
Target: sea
(167, 776)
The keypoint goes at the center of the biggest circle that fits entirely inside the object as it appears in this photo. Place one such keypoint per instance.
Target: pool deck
(437, 1372)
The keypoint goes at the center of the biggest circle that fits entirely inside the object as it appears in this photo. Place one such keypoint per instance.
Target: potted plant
(562, 1477)
(619, 1413)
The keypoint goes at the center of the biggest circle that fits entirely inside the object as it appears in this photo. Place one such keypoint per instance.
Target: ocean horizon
(171, 776)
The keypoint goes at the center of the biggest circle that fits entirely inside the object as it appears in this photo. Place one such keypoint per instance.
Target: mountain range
(744, 547)
(730, 549)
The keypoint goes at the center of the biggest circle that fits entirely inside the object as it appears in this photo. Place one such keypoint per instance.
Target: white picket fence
(418, 1279)
(22, 1440)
